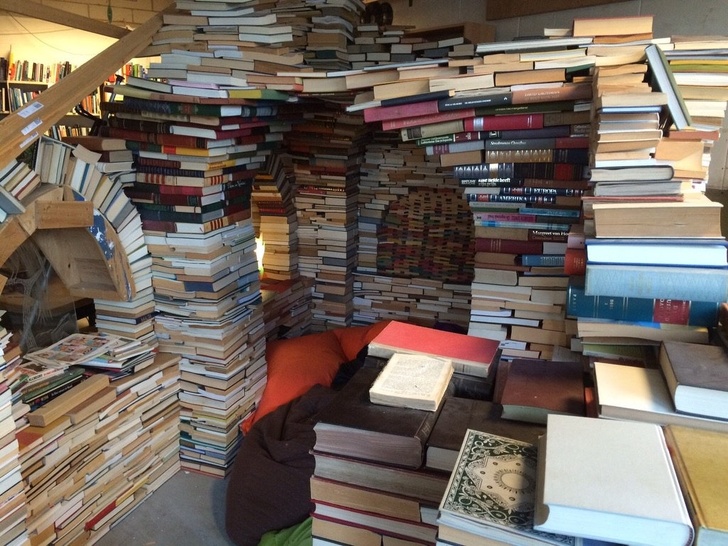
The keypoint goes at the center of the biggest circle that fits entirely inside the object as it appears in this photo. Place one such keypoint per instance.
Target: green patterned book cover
(492, 491)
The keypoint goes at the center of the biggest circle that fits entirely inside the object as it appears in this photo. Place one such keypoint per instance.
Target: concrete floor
(187, 510)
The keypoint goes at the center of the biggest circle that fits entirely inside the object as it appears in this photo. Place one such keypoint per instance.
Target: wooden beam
(61, 17)
(505, 9)
(21, 128)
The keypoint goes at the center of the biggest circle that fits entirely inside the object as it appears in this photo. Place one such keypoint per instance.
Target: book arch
(427, 233)
(61, 251)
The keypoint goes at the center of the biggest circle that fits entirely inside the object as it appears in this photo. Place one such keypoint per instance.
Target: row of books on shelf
(32, 71)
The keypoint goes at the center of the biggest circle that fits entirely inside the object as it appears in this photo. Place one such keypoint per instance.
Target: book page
(408, 376)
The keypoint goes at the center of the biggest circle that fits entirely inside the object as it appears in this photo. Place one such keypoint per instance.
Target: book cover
(530, 389)
(695, 454)
(640, 394)
(492, 489)
(469, 354)
(353, 426)
(609, 494)
(697, 376)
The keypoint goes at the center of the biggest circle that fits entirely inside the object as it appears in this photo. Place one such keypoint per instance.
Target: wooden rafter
(61, 17)
(21, 128)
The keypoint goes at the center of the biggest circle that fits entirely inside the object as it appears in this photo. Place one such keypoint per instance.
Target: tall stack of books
(193, 190)
(12, 489)
(655, 255)
(327, 147)
(332, 30)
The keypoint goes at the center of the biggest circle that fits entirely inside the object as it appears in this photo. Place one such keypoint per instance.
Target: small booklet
(412, 381)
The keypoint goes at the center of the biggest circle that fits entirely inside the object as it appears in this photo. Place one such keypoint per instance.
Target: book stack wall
(96, 451)
(12, 491)
(327, 148)
(655, 257)
(395, 278)
(194, 197)
(534, 131)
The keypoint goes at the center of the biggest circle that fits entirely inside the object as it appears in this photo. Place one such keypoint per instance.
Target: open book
(412, 381)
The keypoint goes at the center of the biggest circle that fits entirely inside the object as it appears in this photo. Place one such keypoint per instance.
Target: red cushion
(297, 364)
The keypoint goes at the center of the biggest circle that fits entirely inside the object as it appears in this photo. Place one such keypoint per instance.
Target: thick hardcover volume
(134, 104)
(554, 171)
(657, 282)
(460, 414)
(505, 122)
(391, 124)
(703, 480)
(636, 500)
(667, 311)
(352, 426)
(697, 376)
(469, 354)
(530, 389)
(492, 490)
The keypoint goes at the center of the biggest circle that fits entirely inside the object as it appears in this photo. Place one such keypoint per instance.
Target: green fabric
(297, 535)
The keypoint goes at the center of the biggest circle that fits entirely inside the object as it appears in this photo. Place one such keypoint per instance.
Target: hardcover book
(695, 454)
(469, 354)
(353, 426)
(697, 376)
(626, 494)
(492, 489)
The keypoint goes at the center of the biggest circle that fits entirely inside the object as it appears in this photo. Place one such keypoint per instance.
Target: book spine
(507, 246)
(465, 136)
(536, 190)
(497, 198)
(384, 113)
(505, 122)
(536, 143)
(147, 126)
(415, 121)
(437, 149)
(543, 260)
(683, 283)
(523, 225)
(552, 94)
(432, 129)
(664, 311)
(575, 261)
(490, 182)
(487, 100)
(575, 156)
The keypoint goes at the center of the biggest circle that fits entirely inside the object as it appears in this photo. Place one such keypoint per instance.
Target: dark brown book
(697, 376)
(530, 389)
(460, 414)
(352, 426)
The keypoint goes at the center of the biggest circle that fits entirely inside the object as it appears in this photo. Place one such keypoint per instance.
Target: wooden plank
(62, 17)
(506, 9)
(64, 214)
(12, 235)
(21, 128)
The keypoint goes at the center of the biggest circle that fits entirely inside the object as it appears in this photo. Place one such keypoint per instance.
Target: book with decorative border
(492, 491)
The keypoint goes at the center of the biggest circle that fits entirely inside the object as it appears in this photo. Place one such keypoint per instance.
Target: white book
(609, 480)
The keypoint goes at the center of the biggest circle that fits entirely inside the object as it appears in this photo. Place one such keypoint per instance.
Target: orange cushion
(297, 364)
(354, 338)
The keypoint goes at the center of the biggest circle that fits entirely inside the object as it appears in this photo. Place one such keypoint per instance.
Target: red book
(469, 354)
(507, 246)
(581, 91)
(413, 109)
(415, 121)
(502, 123)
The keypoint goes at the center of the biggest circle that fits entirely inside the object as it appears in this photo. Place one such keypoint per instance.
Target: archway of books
(61, 249)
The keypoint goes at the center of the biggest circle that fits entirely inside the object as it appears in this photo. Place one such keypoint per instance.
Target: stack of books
(94, 452)
(327, 148)
(286, 307)
(194, 198)
(12, 489)
(330, 35)
(654, 247)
